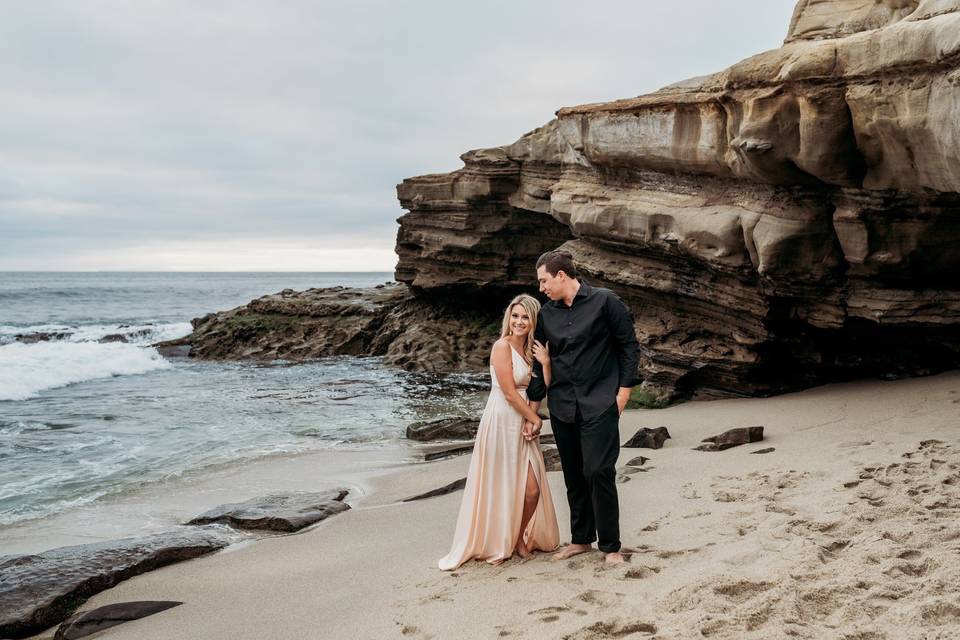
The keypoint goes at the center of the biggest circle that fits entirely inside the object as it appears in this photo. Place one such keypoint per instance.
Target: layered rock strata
(790, 220)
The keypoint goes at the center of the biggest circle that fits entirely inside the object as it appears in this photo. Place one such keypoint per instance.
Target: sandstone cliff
(790, 220)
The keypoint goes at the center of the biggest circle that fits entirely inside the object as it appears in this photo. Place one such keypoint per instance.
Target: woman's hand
(541, 352)
(531, 430)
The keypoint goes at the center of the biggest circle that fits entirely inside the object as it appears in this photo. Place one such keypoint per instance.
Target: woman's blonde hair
(532, 306)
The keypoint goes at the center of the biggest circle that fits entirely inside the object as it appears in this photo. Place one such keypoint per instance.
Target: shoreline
(806, 540)
(165, 505)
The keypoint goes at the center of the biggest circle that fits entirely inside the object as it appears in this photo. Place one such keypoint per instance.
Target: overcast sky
(173, 135)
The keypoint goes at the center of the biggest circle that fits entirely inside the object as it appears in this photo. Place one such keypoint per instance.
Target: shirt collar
(583, 292)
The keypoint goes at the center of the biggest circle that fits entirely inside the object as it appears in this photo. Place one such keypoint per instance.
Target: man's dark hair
(556, 261)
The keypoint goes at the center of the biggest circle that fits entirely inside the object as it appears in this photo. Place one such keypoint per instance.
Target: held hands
(541, 352)
(531, 430)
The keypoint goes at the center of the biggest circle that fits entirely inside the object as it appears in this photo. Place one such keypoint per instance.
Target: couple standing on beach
(582, 347)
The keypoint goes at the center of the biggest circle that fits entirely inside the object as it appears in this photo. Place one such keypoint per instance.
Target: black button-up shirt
(593, 352)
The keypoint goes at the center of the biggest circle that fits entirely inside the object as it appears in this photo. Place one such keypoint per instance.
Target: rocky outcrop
(408, 331)
(39, 591)
(284, 513)
(790, 220)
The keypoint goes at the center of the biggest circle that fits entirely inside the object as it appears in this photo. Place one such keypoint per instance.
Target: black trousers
(588, 452)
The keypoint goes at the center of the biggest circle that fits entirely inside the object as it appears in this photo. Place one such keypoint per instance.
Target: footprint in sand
(741, 590)
(689, 492)
(940, 614)
(616, 628)
(548, 611)
(600, 598)
(854, 445)
(640, 573)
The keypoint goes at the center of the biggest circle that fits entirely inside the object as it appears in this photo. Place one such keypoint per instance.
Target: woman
(506, 505)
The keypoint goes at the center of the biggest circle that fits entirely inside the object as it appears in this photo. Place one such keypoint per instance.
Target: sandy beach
(848, 529)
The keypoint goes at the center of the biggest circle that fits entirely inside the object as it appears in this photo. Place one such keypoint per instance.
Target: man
(593, 350)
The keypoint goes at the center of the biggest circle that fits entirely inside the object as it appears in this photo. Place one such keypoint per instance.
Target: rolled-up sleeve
(537, 390)
(620, 321)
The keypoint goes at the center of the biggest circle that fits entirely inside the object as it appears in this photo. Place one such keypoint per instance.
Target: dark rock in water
(86, 623)
(444, 429)
(767, 450)
(547, 438)
(41, 336)
(456, 485)
(647, 438)
(551, 458)
(173, 350)
(286, 512)
(114, 337)
(731, 438)
(639, 461)
(447, 452)
(39, 591)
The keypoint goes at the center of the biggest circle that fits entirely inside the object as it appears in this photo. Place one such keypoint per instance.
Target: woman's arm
(502, 361)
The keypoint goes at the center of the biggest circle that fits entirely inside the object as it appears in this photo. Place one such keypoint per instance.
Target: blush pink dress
(492, 505)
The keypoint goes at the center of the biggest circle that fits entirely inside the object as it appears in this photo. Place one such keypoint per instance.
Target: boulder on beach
(447, 451)
(40, 590)
(87, 623)
(731, 438)
(283, 512)
(443, 429)
(456, 485)
(551, 458)
(647, 438)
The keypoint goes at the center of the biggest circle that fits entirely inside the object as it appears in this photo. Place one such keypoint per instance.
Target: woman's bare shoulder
(500, 346)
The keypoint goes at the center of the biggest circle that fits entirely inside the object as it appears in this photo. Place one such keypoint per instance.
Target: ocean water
(84, 421)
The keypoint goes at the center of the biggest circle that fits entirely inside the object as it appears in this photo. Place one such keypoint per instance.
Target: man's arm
(620, 321)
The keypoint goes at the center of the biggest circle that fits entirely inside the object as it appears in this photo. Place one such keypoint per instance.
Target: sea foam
(28, 369)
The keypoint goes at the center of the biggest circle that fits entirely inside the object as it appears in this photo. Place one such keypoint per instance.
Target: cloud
(225, 122)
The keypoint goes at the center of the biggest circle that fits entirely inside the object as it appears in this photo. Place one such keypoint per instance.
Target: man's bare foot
(571, 550)
(615, 558)
(522, 551)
